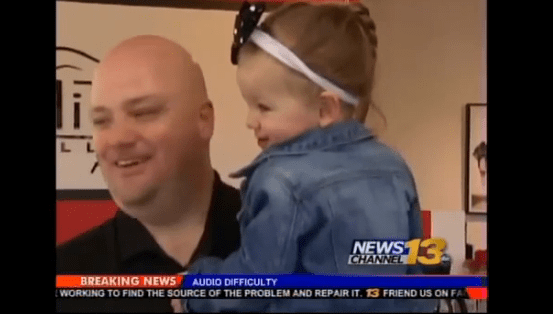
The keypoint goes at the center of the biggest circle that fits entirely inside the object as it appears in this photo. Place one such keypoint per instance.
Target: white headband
(286, 56)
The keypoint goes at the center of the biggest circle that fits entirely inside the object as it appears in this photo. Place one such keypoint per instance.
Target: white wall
(432, 62)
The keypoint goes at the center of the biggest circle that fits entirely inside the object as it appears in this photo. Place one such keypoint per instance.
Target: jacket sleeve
(267, 222)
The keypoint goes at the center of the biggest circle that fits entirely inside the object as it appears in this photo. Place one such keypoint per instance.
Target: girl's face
(275, 113)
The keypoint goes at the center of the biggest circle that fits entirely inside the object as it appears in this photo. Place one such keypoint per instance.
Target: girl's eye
(263, 107)
(141, 114)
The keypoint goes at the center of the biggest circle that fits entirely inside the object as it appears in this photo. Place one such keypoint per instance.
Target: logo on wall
(75, 156)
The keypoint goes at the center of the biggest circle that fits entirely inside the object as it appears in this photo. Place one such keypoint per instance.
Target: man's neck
(182, 216)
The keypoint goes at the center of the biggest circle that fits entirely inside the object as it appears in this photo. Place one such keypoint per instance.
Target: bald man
(152, 124)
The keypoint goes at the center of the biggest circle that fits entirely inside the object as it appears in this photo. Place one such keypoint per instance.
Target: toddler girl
(322, 180)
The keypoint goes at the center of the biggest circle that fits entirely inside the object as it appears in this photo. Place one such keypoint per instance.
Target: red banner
(478, 293)
(119, 281)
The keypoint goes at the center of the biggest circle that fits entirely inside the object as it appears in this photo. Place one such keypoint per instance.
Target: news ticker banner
(271, 286)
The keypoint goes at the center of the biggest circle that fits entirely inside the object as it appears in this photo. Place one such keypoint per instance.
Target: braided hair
(338, 41)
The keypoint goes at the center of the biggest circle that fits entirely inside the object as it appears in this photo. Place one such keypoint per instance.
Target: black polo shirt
(122, 245)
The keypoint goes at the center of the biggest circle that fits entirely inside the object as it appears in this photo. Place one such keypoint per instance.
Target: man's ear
(207, 120)
(330, 110)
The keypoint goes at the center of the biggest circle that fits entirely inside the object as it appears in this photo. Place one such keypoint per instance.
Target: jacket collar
(314, 140)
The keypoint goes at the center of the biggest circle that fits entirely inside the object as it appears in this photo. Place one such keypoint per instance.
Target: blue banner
(209, 281)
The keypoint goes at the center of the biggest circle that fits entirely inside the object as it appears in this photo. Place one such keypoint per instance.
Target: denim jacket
(304, 202)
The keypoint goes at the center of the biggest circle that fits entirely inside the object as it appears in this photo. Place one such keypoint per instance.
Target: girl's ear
(330, 110)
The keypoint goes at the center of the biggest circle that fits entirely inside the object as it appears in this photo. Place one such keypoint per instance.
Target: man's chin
(136, 199)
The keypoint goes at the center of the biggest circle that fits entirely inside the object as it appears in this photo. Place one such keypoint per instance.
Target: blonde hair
(336, 41)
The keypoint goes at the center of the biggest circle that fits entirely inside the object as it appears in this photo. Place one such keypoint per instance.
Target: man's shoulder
(87, 252)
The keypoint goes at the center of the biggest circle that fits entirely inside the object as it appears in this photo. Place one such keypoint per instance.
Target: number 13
(435, 248)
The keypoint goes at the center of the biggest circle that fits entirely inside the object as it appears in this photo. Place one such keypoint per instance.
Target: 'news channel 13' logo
(397, 252)
(77, 165)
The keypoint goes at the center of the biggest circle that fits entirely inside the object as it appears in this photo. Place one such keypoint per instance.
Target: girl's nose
(251, 121)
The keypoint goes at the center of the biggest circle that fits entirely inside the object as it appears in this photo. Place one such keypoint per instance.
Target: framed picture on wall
(476, 159)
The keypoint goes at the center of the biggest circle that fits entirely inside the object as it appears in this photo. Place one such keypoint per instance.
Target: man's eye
(145, 113)
(99, 121)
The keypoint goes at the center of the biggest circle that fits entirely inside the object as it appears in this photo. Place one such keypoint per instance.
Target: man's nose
(122, 135)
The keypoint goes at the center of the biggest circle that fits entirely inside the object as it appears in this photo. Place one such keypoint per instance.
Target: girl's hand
(177, 306)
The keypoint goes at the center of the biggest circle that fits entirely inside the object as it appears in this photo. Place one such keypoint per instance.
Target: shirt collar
(317, 139)
(134, 239)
